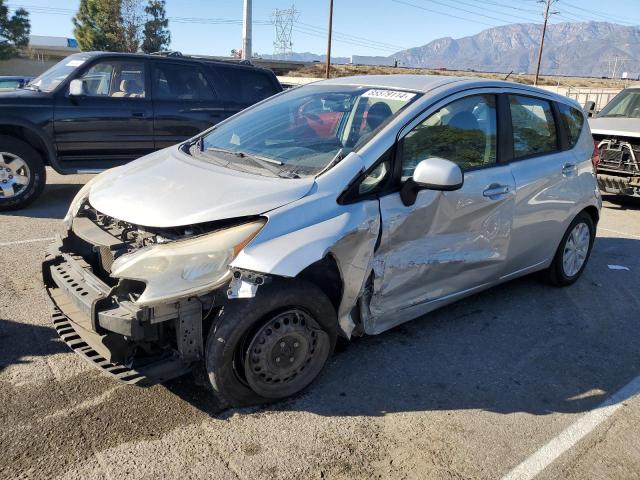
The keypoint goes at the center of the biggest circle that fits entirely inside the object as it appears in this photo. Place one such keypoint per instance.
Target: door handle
(495, 190)
(138, 114)
(568, 169)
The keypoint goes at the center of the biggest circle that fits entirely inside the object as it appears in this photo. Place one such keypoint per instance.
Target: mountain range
(580, 49)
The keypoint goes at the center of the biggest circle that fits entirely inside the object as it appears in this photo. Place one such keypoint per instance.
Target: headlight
(77, 201)
(185, 267)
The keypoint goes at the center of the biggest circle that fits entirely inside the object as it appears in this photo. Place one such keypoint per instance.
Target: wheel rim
(14, 175)
(576, 249)
(285, 354)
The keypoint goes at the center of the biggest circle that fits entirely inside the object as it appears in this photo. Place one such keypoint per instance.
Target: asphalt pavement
(518, 381)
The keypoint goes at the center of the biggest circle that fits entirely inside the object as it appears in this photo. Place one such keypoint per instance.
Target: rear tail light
(595, 156)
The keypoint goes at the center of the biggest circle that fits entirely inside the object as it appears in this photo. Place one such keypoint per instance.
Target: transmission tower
(284, 20)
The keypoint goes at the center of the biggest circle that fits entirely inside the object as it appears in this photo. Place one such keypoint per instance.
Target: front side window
(304, 130)
(180, 82)
(114, 78)
(534, 129)
(573, 120)
(463, 132)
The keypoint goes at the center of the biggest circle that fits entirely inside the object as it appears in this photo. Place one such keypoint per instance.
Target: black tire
(37, 178)
(241, 324)
(556, 274)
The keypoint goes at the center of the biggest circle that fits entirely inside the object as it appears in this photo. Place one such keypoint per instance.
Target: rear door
(112, 121)
(184, 101)
(242, 87)
(545, 173)
(446, 243)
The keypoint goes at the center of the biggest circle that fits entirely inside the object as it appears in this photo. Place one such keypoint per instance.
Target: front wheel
(272, 346)
(22, 173)
(574, 251)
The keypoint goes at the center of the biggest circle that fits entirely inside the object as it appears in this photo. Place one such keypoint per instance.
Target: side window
(114, 79)
(245, 85)
(172, 81)
(573, 121)
(463, 131)
(534, 130)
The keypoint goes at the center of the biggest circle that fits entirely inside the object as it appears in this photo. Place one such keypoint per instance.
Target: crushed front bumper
(108, 333)
(619, 184)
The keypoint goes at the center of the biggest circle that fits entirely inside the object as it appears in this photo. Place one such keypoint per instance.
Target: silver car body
(397, 262)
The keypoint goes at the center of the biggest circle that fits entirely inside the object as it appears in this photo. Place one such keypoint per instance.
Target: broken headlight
(77, 202)
(185, 267)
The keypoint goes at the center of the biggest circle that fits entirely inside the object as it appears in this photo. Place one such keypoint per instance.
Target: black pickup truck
(98, 110)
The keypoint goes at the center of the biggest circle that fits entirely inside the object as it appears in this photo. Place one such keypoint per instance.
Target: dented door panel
(444, 244)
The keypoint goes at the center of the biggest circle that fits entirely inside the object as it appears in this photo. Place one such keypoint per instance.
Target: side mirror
(432, 174)
(75, 88)
(590, 108)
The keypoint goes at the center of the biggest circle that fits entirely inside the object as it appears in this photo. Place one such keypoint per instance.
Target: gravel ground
(469, 391)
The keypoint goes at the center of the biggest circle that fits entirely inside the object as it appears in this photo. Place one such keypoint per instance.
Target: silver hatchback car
(338, 209)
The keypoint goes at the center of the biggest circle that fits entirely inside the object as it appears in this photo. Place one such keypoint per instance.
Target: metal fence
(601, 96)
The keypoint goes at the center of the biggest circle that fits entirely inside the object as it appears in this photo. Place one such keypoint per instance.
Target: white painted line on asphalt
(620, 233)
(31, 240)
(569, 437)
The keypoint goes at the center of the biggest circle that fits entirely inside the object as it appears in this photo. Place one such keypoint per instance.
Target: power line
(283, 20)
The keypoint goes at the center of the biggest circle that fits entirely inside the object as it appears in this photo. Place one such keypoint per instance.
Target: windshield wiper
(264, 162)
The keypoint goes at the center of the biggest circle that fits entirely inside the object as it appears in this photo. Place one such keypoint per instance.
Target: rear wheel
(271, 346)
(22, 173)
(574, 251)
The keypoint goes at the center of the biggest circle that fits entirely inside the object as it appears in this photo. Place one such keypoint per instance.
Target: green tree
(156, 35)
(133, 16)
(98, 26)
(14, 31)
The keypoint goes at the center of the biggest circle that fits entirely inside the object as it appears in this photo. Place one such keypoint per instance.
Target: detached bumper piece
(136, 345)
(619, 184)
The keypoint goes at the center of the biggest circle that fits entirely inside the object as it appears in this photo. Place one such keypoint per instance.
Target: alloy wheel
(576, 249)
(14, 175)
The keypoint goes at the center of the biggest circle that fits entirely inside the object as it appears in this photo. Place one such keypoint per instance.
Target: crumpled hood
(618, 126)
(169, 188)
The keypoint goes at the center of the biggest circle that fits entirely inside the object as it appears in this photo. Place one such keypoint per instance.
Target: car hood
(169, 188)
(618, 126)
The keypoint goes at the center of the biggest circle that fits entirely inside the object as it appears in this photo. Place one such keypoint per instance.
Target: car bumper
(101, 331)
(619, 185)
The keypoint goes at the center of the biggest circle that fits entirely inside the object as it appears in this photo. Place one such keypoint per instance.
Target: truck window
(114, 78)
(245, 85)
(172, 81)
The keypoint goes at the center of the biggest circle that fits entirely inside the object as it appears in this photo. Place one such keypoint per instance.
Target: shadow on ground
(53, 203)
(520, 347)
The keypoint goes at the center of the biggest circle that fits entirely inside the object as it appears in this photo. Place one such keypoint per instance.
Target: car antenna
(508, 75)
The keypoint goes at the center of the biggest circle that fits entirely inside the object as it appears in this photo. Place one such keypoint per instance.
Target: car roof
(178, 58)
(426, 83)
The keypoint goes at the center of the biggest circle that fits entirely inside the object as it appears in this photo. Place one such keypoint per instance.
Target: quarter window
(180, 82)
(573, 120)
(464, 132)
(534, 129)
(114, 79)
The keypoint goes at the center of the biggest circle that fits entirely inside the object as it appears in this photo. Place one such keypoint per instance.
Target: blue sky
(363, 27)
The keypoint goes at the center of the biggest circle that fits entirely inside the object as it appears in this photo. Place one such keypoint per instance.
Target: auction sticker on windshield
(389, 95)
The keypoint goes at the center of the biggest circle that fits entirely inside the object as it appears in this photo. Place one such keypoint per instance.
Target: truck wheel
(22, 173)
(271, 346)
(574, 251)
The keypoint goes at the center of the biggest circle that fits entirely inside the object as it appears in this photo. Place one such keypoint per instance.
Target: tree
(14, 31)
(156, 30)
(98, 25)
(132, 22)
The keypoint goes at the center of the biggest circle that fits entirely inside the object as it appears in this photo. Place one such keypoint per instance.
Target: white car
(340, 208)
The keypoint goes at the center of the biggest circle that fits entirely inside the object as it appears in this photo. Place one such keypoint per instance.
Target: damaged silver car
(616, 132)
(338, 209)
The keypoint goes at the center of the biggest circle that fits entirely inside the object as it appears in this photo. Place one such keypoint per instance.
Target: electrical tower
(284, 20)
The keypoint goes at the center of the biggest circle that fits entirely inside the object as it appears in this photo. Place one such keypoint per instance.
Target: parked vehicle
(340, 208)
(94, 111)
(616, 132)
(13, 82)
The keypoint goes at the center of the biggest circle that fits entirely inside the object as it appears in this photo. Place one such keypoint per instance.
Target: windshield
(625, 104)
(303, 131)
(57, 74)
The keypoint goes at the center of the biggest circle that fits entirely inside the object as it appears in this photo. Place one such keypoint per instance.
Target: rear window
(573, 121)
(245, 85)
(534, 129)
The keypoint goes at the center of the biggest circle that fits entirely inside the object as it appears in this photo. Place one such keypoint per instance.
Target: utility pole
(544, 31)
(328, 70)
(246, 31)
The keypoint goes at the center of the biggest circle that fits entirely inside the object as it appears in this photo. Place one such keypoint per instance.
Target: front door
(112, 121)
(447, 243)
